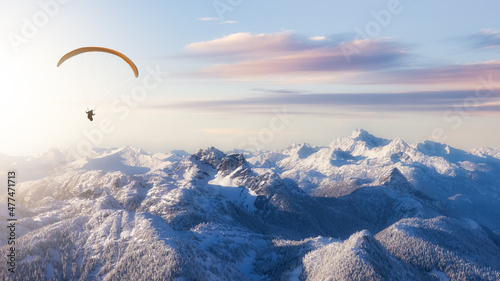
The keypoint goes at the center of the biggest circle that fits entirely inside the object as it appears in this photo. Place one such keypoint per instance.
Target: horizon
(96, 151)
(248, 75)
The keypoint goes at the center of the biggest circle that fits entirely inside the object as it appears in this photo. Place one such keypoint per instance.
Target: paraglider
(76, 52)
(90, 113)
(99, 49)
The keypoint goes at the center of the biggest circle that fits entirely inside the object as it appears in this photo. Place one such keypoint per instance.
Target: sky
(240, 74)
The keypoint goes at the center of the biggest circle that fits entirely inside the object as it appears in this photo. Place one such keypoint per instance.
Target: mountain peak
(370, 140)
(128, 149)
(356, 133)
(396, 180)
(433, 148)
(232, 162)
(302, 150)
(211, 156)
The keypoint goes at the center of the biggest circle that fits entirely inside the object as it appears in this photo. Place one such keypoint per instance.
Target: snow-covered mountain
(362, 208)
(468, 183)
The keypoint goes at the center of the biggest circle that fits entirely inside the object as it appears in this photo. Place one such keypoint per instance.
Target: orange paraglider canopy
(99, 49)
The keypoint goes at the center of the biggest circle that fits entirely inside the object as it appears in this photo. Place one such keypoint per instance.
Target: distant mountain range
(361, 208)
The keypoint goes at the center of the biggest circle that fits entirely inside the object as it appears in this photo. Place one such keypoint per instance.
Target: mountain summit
(370, 140)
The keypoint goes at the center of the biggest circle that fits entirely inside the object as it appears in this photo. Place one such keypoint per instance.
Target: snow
(226, 187)
(246, 267)
(439, 274)
(215, 215)
(435, 169)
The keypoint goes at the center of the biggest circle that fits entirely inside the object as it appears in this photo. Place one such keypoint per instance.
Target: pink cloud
(451, 76)
(285, 53)
(336, 104)
(322, 59)
(246, 44)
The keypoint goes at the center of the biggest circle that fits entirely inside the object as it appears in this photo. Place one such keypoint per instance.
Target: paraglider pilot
(90, 113)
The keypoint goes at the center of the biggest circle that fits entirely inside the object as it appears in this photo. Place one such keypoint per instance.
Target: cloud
(285, 53)
(281, 91)
(209, 19)
(318, 38)
(248, 45)
(454, 76)
(340, 103)
(287, 56)
(229, 22)
(484, 39)
(218, 20)
(255, 45)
